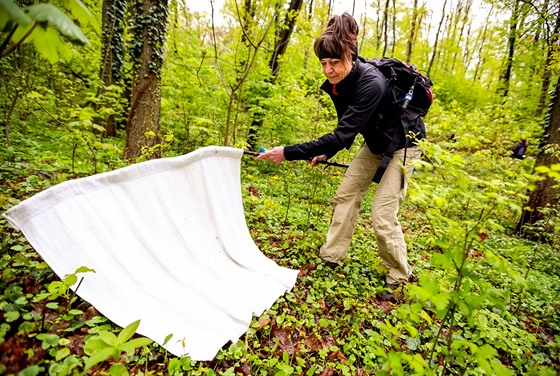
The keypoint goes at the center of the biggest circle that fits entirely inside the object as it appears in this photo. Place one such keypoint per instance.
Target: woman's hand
(274, 155)
(317, 159)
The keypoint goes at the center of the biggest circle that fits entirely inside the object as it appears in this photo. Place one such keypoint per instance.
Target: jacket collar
(343, 86)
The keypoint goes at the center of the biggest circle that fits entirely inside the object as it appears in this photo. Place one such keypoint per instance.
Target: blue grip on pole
(262, 149)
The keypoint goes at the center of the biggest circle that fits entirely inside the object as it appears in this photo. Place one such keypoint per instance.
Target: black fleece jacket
(362, 102)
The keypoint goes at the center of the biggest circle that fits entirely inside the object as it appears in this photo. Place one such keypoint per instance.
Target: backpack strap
(388, 155)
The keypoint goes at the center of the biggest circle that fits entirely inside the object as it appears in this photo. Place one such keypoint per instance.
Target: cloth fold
(169, 245)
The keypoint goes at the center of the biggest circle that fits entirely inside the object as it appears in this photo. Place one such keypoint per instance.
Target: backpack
(412, 97)
(412, 90)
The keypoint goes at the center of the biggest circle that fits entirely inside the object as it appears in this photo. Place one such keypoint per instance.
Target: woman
(360, 95)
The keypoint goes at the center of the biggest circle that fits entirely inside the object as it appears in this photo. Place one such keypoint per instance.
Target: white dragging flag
(169, 245)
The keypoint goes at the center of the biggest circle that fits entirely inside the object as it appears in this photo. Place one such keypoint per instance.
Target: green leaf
(542, 169)
(31, 371)
(98, 357)
(11, 316)
(47, 42)
(10, 12)
(70, 279)
(62, 353)
(84, 269)
(108, 337)
(128, 332)
(49, 15)
(48, 340)
(118, 370)
(82, 14)
(169, 336)
(94, 344)
(130, 346)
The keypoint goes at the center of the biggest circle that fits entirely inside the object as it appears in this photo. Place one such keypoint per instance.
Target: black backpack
(411, 89)
(411, 97)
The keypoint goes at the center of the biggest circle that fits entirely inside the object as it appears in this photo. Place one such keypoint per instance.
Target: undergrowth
(485, 302)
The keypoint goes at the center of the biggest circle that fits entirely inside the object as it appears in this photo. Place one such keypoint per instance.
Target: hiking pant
(385, 206)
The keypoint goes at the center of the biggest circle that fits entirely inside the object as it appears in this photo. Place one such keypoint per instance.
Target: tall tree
(552, 50)
(483, 34)
(505, 75)
(112, 53)
(283, 35)
(436, 41)
(284, 31)
(252, 45)
(412, 34)
(148, 36)
(385, 26)
(547, 192)
(394, 28)
(464, 21)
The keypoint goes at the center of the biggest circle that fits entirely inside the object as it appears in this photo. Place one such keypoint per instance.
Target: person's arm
(367, 96)
(276, 155)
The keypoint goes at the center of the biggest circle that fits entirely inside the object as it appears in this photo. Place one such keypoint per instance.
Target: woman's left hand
(274, 155)
(317, 159)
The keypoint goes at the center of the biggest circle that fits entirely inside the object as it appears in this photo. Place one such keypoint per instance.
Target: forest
(90, 86)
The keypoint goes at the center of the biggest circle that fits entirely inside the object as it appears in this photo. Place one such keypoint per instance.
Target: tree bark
(465, 9)
(412, 35)
(142, 128)
(505, 75)
(547, 192)
(434, 49)
(378, 26)
(482, 36)
(394, 27)
(283, 36)
(552, 50)
(385, 25)
(112, 55)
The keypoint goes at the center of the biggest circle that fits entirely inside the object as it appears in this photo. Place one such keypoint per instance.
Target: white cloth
(169, 245)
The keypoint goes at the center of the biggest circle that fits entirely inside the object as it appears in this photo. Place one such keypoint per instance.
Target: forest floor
(496, 314)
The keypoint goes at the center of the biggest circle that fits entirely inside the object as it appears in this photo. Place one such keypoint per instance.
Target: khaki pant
(386, 203)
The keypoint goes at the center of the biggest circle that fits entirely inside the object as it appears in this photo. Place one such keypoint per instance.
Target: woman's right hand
(275, 155)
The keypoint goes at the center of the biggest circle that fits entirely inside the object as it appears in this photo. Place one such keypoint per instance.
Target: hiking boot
(392, 293)
(331, 264)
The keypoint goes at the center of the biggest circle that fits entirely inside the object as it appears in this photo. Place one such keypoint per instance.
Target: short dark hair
(339, 40)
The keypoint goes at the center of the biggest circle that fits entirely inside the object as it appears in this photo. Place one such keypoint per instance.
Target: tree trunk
(551, 51)
(112, 55)
(148, 33)
(434, 49)
(307, 49)
(394, 27)
(505, 76)
(378, 26)
(412, 35)
(547, 192)
(283, 36)
(483, 35)
(464, 22)
(234, 90)
(385, 25)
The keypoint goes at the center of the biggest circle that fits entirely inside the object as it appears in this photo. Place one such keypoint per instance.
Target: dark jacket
(362, 105)
(519, 150)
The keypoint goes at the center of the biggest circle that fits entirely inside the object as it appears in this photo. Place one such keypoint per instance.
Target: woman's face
(336, 69)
